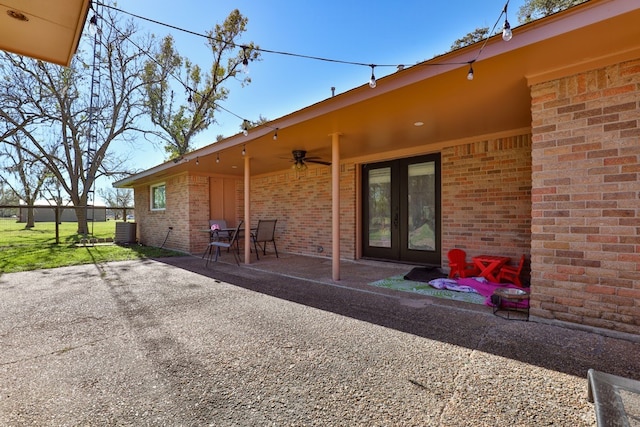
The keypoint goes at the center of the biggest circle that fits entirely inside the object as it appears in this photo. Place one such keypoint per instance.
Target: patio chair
(459, 266)
(219, 224)
(512, 274)
(215, 245)
(264, 233)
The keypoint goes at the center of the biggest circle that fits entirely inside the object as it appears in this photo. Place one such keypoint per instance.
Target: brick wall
(304, 221)
(586, 198)
(153, 226)
(486, 198)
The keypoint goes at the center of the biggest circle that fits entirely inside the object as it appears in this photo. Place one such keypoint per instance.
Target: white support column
(335, 205)
(247, 210)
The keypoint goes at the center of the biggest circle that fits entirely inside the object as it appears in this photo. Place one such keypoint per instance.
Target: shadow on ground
(308, 281)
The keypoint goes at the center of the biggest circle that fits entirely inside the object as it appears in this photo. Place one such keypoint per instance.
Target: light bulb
(245, 61)
(93, 25)
(506, 32)
(372, 81)
(275, 135)
(245, 128)
(470, 74)
(218, 158)
(244, 151)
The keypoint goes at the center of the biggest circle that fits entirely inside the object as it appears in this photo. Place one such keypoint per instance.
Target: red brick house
(539, 154)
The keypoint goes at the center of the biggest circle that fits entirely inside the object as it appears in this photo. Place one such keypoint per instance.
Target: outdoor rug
(399, 283)
(473, 290)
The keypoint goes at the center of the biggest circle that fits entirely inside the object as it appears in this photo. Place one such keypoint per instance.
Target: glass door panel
(380, 207)
(401, 210)
(421, 206)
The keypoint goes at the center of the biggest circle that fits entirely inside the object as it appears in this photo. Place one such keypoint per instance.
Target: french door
(401, 210)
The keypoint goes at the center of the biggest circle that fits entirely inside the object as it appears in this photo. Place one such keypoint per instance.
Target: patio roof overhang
(436, 93)
(42, 29)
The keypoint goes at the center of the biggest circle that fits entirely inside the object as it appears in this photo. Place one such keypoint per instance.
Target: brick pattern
(586, 198)
(187, 211)
(486, 198)
(304, 221)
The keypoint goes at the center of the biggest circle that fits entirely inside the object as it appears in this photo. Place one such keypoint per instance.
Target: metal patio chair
(264, 233)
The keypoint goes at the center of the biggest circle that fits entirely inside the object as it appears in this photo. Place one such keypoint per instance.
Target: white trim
(151, 198)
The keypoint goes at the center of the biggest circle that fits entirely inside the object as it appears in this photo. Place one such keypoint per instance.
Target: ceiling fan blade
(320, 162)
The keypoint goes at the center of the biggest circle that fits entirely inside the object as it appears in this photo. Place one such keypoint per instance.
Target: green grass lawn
(30, 249)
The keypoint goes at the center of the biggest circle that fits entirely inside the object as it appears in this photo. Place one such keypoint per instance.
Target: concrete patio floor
(172, 342)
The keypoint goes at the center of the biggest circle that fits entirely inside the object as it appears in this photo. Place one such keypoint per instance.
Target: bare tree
(50, 107)
(7, 198)
(117, 199)
(29, 174)
(181, 121)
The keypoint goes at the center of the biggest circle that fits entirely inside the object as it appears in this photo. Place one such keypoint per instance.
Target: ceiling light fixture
(244, 150)
(275, 135)
(299, 165)
(217, 158)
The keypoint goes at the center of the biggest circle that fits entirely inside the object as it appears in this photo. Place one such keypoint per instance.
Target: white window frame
(152, 189)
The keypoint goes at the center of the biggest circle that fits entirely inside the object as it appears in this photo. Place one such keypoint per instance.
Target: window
(158, 197)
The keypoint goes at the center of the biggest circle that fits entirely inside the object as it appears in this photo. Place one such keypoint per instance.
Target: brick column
(586, 198)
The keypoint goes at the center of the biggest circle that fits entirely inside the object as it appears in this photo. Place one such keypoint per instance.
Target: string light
(197, 160)
(245, 61)
(506, 29)
(506, 35)
(217, 158)
(372, 81)
(244, 150)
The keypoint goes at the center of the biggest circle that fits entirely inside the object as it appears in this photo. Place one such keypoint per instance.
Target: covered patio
(562, 92)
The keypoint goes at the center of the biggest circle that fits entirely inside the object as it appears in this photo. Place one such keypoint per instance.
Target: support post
(335, 206)
(247, 210)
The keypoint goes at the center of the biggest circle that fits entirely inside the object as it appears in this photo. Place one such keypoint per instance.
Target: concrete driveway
(147, 343)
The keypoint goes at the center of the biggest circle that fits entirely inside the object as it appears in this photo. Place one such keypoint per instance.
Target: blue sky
(404, 32)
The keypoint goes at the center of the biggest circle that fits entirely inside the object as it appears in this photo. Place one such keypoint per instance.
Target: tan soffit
(48, 30)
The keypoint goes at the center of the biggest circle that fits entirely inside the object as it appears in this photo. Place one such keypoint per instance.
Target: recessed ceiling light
(17, 15)
(418, 123)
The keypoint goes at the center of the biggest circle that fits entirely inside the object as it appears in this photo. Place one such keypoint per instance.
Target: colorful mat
(398, 283)
(473, 290)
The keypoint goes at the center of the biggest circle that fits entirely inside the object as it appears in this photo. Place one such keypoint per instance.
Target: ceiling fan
(300, 160)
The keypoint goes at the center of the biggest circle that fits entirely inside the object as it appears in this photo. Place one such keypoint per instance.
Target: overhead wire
(296, 55)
